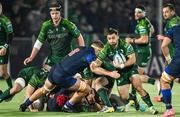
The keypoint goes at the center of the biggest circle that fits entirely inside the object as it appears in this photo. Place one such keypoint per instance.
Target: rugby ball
(118, 59)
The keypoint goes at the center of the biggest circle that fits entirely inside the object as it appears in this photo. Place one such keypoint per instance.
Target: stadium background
(92, 17)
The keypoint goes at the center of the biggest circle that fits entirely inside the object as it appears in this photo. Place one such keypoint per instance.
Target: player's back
(176, 39)
(77, 60)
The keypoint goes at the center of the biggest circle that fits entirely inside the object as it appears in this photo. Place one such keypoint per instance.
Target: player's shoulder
(5, 19)
(174, 21)
(47, 23)
(106, 46)
(67, 23)
(144, 21)
(122, 42)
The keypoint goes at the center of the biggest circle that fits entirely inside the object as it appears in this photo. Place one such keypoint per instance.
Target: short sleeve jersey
(59, 37)
(5, 29)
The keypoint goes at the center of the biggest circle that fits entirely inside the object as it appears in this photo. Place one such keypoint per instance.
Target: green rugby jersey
(173, 21)
(5, 29)
(33, 76)
(108, 52)
(143, 27)
(59, 37)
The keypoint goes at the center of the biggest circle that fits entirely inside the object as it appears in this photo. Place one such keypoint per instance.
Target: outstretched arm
(35, 50)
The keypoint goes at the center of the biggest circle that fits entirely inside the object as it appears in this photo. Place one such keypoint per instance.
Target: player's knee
(5, 75)
(83, 87)
(2, 74)
(124, 97)
(44, 90)
(139, 88)
(100, 83)
(20, 82)
(15, 90)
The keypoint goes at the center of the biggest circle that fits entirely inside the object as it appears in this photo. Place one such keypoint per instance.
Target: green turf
(10, 109)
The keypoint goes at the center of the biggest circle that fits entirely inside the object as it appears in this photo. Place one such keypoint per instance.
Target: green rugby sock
(9, 82)
(151, 81)
(104, 96)
(133, 90)
(5, 95)
(147, 100)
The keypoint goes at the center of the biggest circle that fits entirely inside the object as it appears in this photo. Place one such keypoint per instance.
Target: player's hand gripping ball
(119, 60)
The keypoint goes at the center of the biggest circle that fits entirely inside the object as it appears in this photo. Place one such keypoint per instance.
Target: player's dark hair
(170, 6)
(142, 7)
(98, 43)
(112, 31)
(55, 4)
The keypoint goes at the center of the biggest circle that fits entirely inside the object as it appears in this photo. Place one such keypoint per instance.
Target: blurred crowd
(91, 16)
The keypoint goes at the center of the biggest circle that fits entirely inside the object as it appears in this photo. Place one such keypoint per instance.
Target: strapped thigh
(82, 86)
(166, 77)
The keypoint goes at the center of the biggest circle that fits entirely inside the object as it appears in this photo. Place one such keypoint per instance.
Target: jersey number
(74, 51)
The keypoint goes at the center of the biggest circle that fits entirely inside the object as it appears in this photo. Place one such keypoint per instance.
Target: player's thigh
(143, 58)
(136, 82)
(3, 69)
(173, 68)
(135, 79)
(101, 81)
(123, 80)
(58, 77)
(110, 85)
(80, 86)
(48, 86)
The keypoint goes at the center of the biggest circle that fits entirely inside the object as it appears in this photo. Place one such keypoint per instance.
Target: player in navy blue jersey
(62, 75)
(172, 36)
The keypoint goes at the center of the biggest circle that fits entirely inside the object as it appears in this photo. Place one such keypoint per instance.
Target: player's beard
(114, 45)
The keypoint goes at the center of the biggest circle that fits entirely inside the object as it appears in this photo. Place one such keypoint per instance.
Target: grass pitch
(10, 109)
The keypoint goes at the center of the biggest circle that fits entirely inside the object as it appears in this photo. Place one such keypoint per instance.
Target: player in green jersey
(128, 69)
(141, 42)
(59, 33)
(6, 35)
(31, 77)
(143, 31)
